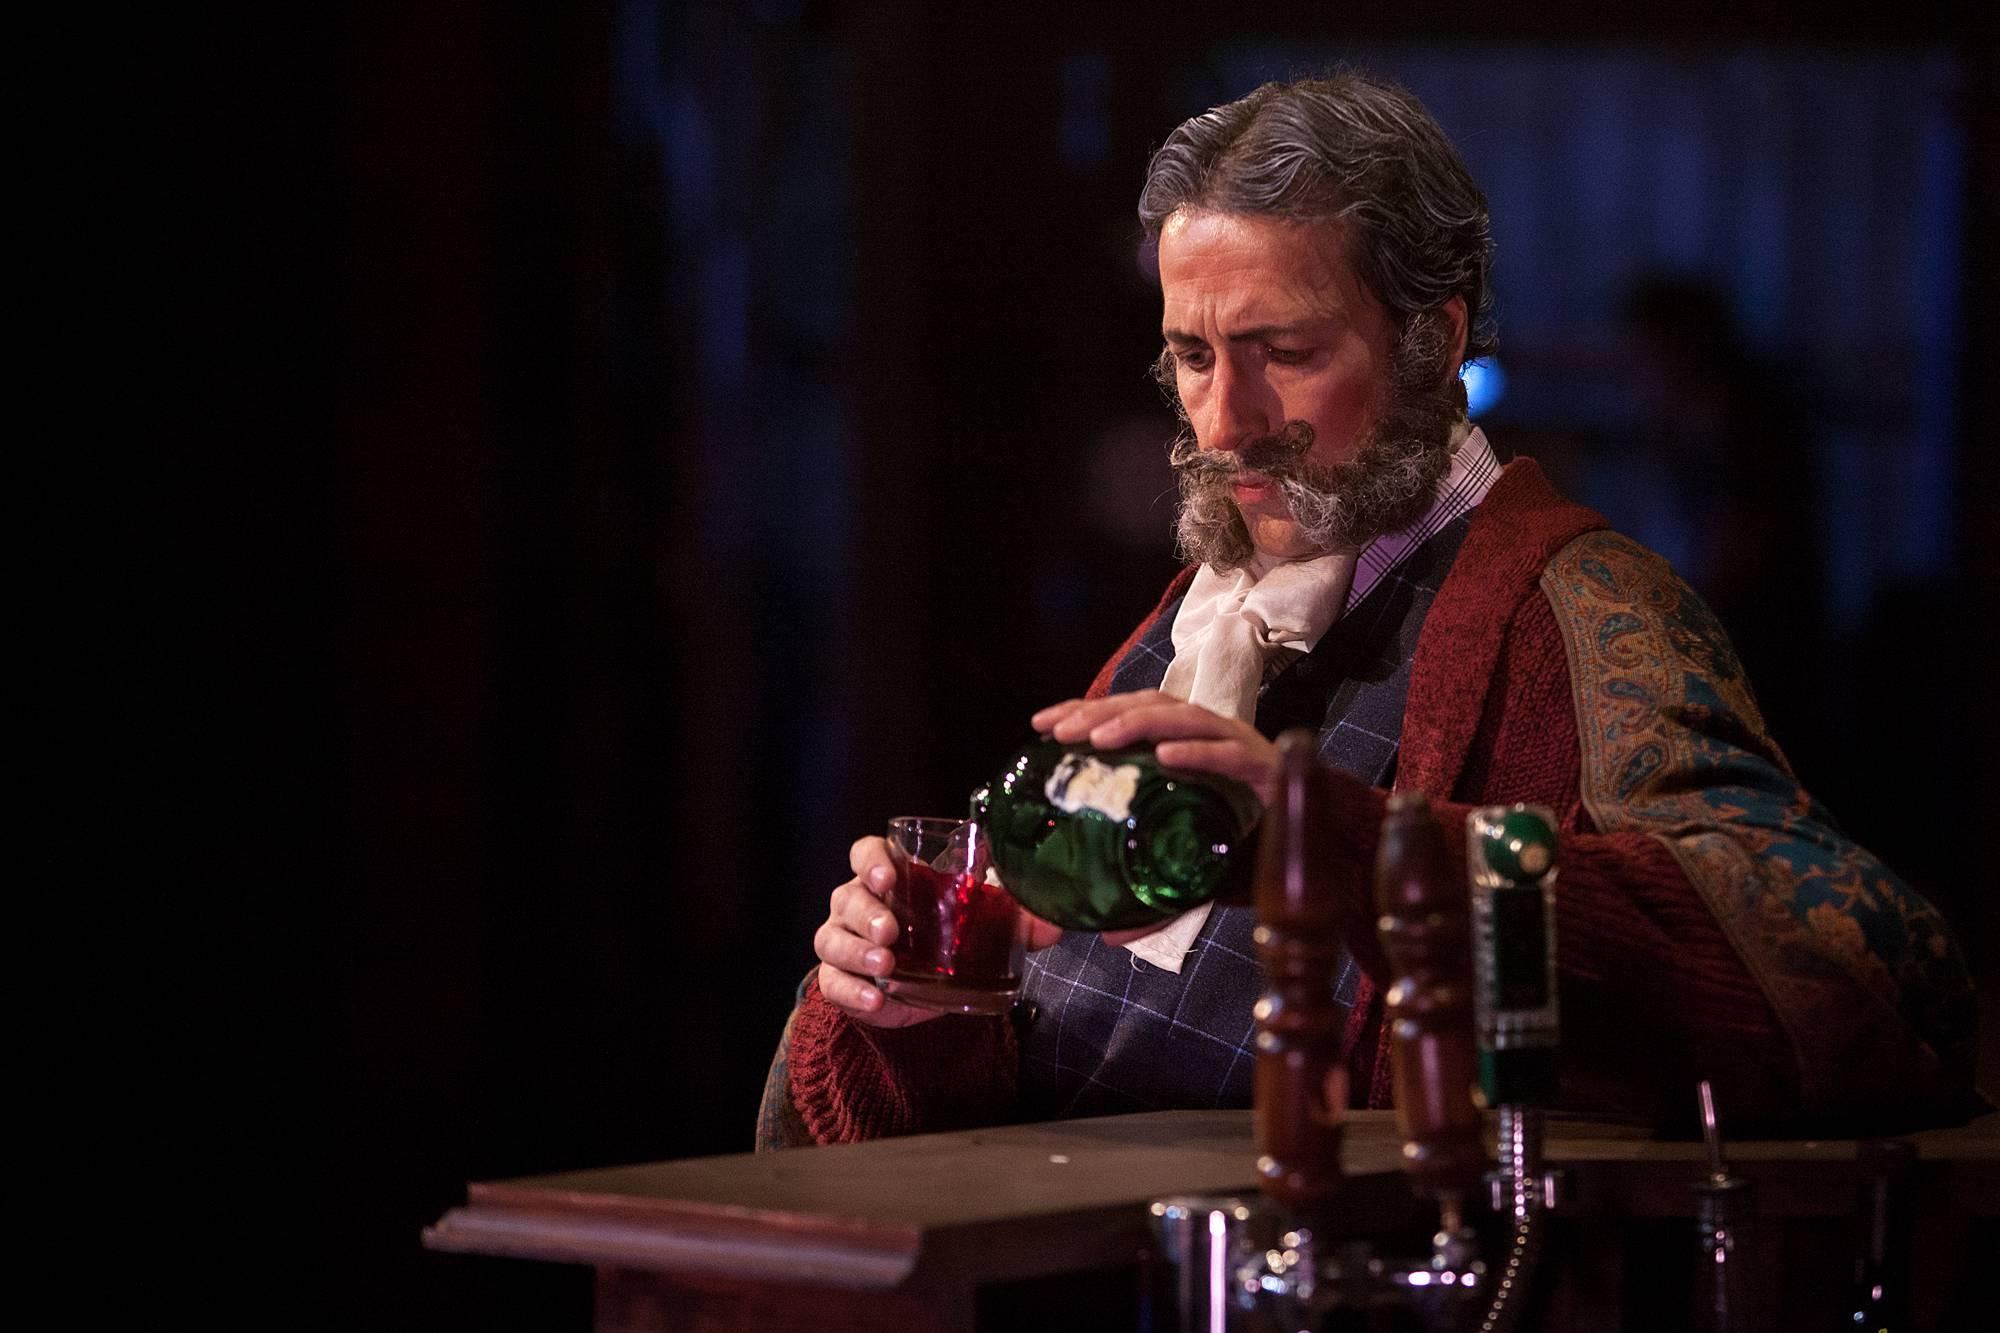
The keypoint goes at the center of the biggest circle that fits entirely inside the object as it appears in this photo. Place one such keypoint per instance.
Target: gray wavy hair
(1350, 148)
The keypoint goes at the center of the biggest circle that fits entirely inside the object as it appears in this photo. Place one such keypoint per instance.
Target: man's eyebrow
(1257, 333)
(1266, 332)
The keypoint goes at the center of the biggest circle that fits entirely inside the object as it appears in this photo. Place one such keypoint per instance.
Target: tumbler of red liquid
(961, 944)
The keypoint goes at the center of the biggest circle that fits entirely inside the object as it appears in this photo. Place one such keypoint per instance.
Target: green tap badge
(1511, 855)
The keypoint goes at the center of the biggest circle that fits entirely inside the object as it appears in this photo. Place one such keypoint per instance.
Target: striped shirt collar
(1473, 472)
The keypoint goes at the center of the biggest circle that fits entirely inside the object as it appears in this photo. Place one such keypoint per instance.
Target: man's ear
(1456, 331)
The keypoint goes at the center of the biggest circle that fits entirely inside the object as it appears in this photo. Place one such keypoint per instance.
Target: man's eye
(1288, 356)
(1191, 358)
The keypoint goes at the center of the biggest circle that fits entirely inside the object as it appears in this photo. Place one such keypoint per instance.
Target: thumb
(1038, 933)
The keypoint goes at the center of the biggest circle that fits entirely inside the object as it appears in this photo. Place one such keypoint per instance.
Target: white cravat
(1230, 625)
(1228, 629)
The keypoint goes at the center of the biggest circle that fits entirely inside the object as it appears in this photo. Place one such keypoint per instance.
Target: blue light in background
(1485, 382)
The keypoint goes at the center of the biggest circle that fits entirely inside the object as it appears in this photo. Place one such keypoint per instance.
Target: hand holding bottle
(1184, 735)
(1113, 839)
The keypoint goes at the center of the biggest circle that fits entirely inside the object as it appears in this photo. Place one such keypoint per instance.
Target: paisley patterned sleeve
(1861, 972)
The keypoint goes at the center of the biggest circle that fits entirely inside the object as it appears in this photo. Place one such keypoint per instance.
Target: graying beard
(1386, 485)
(1209, 529)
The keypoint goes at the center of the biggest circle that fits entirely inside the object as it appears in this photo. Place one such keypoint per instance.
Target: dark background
(594, 461)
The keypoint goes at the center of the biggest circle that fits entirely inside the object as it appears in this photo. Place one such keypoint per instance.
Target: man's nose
(1241, 412)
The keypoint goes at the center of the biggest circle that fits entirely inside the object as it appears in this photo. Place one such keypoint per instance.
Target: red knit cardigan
(1654, 995)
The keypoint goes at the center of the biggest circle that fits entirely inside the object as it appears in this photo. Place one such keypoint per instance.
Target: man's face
(1308, 431)
(1267, 325)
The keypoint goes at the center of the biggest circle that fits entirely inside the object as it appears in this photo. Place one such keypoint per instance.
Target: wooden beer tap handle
(1426, 931)
(1300, 929)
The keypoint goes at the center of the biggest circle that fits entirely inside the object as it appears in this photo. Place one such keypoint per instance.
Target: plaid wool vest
(1102, 1030)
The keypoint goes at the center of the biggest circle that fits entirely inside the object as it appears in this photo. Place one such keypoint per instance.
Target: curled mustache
(1279, 456)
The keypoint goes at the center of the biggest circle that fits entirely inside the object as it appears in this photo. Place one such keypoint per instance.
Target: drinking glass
(960, 946)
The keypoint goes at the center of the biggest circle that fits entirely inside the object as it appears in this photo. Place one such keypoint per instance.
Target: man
(1361, 566)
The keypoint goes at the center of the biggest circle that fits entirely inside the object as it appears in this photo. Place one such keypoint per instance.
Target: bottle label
(1085, 782)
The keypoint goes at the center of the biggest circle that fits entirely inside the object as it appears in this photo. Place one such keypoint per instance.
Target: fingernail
(877, 961)
(875, 924)
(881, 877)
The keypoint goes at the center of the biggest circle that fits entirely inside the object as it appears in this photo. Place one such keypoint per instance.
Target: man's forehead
(1254, 272)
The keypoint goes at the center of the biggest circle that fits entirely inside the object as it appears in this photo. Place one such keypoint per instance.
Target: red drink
(960, 949)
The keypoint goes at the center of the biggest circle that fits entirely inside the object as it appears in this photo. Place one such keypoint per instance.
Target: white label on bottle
(1084, 782)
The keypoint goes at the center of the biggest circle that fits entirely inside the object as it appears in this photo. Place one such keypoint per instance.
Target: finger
(1228, 758)
(839, 947)
(869, 859)
(1046, 717)
(1080, 721)
(1038, 934)
(852, 995)
(864, 1002)
(872, 865)
(1256, 767)
(863, 914)
(1165, 719)
(1044, 720)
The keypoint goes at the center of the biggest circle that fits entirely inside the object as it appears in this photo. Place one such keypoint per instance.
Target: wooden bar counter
(1009, 1227)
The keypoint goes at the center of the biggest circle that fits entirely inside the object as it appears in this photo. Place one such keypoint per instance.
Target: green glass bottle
(1109, 840)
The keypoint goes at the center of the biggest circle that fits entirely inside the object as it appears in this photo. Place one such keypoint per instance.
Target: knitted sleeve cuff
(852, 1082)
